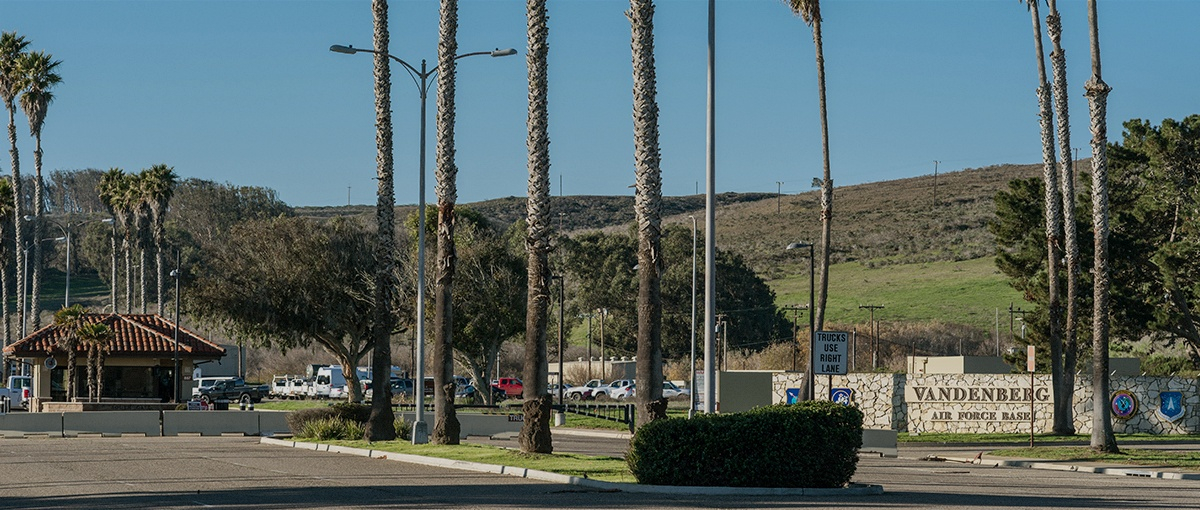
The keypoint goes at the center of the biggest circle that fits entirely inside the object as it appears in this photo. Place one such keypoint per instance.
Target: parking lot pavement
(188, 472)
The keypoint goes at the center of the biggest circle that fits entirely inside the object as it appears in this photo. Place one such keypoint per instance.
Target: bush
(345, 411)
(330, 428)
(812, 444)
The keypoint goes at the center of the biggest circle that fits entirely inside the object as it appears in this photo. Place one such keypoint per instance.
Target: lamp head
(502, 52)
(349, 50)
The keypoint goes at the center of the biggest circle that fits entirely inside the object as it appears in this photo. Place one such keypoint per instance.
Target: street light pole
(562, 285)
(809, 391)
(422, 79)
(175, 375)
(692, 365)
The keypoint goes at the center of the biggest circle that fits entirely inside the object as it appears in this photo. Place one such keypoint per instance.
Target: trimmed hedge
(811, 444)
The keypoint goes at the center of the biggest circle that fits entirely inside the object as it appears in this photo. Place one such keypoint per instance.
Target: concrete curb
(1051, 466)
(533, 474)
(607, 434)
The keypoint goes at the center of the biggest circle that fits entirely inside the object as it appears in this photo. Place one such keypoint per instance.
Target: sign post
(829, 353)
(1031, 365)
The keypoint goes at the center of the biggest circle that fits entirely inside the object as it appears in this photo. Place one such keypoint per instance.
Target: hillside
(881, 223)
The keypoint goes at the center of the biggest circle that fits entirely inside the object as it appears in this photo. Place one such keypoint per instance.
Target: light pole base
(560, 419)
(420, 433)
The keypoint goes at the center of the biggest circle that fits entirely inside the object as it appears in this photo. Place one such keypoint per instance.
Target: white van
(331, 382)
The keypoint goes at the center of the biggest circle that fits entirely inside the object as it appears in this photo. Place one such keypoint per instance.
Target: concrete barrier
(272, 422)
(111, 423)
(878, 441)
(478, 424)
(210, 423)
(22, 424)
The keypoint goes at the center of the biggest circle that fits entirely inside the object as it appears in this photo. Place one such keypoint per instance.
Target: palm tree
(12, 46)
(6, 206)
(97, 336)
(535, 431)
(446, 426)
(116, 193)
(158, 185)
(139, 198)
(380, 424)
(1097, 93)
(1064, 410)
(648, 208)
(110, 190)
(1053, 214)
(70, 319)
(37, 78)
(810, 12)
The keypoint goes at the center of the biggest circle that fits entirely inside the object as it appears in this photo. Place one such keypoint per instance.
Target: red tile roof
(134, 335)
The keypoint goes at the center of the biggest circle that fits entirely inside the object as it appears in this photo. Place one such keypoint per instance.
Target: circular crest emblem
(51, 363)
(1124, 405)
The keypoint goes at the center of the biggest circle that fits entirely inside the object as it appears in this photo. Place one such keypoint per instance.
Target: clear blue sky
(247, 92)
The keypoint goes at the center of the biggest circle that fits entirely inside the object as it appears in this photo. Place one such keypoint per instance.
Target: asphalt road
(227, 472)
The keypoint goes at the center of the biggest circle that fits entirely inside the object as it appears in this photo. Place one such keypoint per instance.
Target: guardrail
(620, 413)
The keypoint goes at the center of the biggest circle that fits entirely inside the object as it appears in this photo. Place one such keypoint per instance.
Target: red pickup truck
(511, 386)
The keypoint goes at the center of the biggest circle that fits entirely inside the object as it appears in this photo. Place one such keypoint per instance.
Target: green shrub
(330, 428)
(346, 411)
(403, 429)
(812, 444)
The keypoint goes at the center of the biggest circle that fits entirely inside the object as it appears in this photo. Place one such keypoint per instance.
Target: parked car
(584, 391)
(205, 383)
(234, 390)
(669, 390)
(511, 386)
(606, 391)
(17, 391)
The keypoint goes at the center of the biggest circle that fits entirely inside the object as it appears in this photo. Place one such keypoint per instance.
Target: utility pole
(778, 196)
(874, 335)
(795, 331)
(935, 172)
(1012, 312)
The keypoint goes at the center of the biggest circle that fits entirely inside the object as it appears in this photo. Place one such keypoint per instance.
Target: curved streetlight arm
(420, 79)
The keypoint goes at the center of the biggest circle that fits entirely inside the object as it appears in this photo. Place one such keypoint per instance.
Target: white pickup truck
(17, 391)
(595, 388)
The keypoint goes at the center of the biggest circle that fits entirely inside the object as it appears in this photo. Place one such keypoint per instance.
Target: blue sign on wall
(842, 396)
(1170, 405)
(793, 395)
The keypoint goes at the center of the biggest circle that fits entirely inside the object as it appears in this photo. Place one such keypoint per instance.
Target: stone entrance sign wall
(978, 403)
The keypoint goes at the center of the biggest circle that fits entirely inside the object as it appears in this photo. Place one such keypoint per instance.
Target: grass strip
(608, 469)
(1185, 460)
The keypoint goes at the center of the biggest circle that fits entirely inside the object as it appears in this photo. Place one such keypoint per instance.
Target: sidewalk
(977, 455)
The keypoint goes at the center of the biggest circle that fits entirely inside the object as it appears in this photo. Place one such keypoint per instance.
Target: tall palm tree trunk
(1097, 94)
(535, 431)
(91, 373)
(1064, 409)
(1053, 216)
(445, 427)
(648, 208)
(826, 188)
(35, 300)
(18, 215)
(4, 311)
(380, 424)
(72, 360)
(128, 277)
(99, 374)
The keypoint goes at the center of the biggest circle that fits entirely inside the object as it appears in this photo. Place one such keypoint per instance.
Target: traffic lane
(912, 483)
(239, 472)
